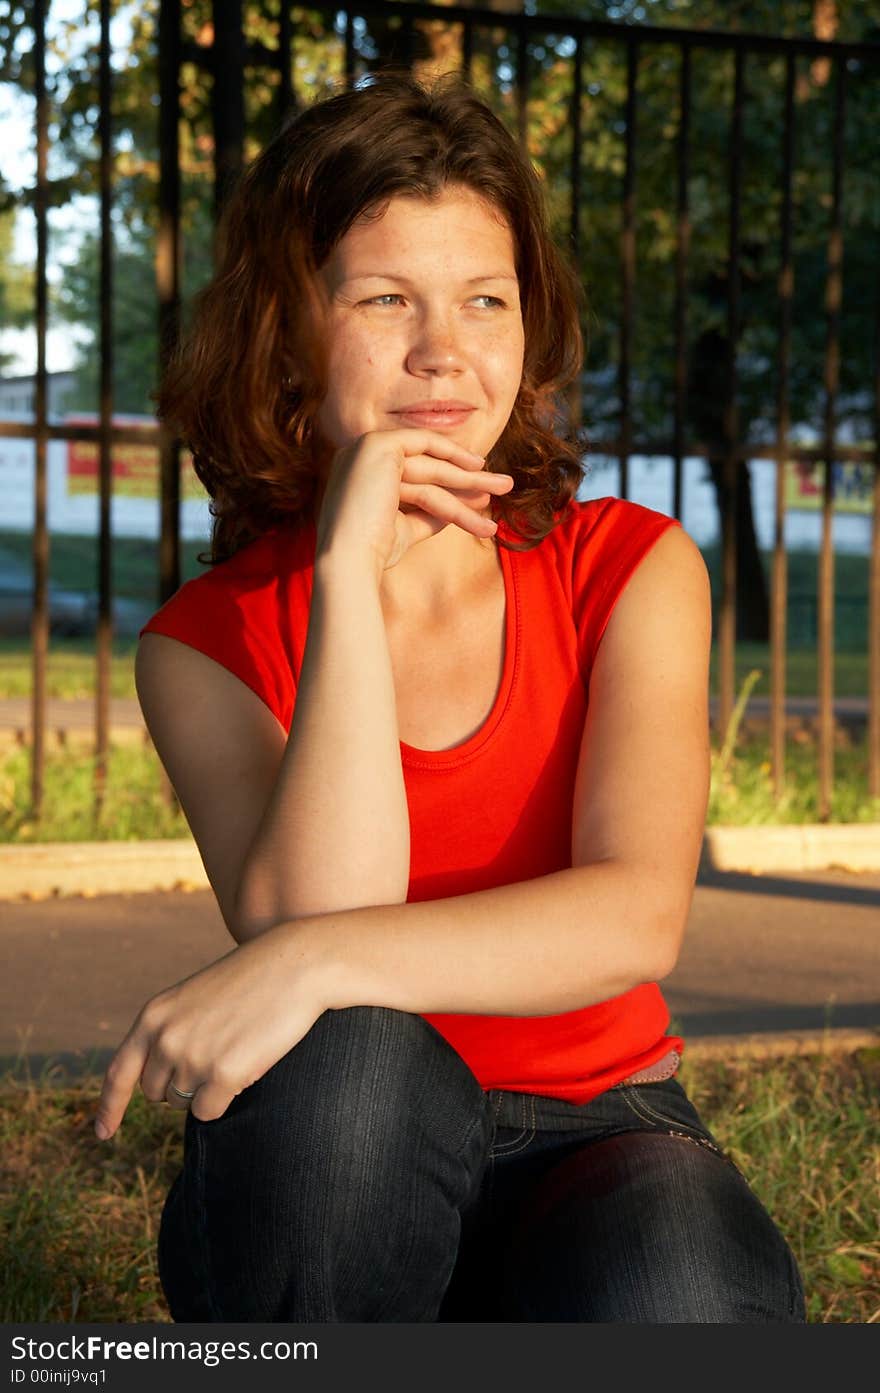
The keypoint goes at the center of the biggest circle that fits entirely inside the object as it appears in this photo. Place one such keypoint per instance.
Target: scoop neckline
(415, 758)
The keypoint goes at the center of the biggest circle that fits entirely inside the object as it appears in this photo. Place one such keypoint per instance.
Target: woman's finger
(440, 502)
(212, 1100)
(426, 442)
(120, 1080)
(157, 1072)
(180, 1095)
(410, 496)
(422, 469)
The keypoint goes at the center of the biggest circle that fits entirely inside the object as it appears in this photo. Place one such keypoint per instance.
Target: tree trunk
(752, 600)
(707, 381)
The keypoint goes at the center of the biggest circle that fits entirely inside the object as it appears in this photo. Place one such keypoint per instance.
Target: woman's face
(425, 326)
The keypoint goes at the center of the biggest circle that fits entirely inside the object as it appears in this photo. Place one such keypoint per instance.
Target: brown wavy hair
(244, 387)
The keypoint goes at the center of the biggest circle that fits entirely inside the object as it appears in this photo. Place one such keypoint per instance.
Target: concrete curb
(105, 868)
(99, 868)
(846, 846)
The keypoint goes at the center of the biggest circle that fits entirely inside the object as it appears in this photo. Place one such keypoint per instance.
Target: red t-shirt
(498, 808)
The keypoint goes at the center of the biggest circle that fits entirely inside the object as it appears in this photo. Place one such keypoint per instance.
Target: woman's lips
(435, 414)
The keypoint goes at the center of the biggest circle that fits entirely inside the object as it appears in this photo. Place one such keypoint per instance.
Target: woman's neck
(438, 575)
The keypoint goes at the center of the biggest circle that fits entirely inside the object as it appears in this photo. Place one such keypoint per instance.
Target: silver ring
(182, 1093)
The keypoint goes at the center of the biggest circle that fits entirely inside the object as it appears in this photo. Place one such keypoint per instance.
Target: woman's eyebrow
(404, 280)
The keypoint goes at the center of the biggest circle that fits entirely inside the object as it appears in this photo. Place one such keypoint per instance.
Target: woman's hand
(216, 1032)
(394, 488)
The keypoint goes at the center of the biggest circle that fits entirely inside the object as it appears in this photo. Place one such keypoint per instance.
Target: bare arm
(335, 833)
(317, 822)
(299, 825)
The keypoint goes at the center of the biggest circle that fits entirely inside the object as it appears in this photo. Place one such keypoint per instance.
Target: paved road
(762, 954)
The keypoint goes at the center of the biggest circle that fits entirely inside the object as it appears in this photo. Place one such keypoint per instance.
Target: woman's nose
(435, 347)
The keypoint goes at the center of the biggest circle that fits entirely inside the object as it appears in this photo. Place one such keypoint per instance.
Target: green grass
(741, 789)
(71, 669)
(73, 562)
(79, 1218)
(73, 565)
(134, 807)
(802, 671)
(79, 1221)
(741, 793)
(806, 1133)
(851, 574)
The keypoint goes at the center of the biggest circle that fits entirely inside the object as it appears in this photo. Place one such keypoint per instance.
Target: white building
(18, 394)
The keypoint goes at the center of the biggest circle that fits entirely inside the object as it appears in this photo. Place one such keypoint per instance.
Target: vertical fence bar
(168, 282)
(833, 296)
(227, 97)
(104, 636)
(733, 466)
(467, 52)
(682, 250)
(873, 724)
(407, 42)
(628, 266)
(575, 179)
(286, 96)
(873, 731)
(779, 586)
(575, 394)
(168, 295)
(40, 616)
(349, 51)
(522, 86)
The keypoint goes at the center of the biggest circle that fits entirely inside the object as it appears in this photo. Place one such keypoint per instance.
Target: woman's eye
(384, 299)
(491, 301)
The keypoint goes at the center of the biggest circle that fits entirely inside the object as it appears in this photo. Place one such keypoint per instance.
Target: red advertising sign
(134, 468)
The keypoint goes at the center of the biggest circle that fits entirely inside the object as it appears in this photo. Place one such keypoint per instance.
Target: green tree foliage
(602, 167)
(16, 282)
(318, 67)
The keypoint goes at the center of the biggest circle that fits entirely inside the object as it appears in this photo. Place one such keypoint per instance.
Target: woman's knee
(651, 1228)
(341, 1169)
(362, 1076)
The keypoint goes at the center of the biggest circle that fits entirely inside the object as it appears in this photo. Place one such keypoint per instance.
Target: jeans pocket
(664, 1106)
(515, 1141)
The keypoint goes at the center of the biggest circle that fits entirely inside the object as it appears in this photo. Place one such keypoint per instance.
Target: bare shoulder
(221, 747)
(675, 564)
(161, 661)
(665, 608)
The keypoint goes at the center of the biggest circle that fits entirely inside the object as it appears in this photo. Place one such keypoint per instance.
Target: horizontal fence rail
(513, 59)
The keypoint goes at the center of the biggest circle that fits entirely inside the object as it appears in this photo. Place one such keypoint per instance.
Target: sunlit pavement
(762, 955)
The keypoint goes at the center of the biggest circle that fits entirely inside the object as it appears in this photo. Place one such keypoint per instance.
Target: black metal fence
(534, 68)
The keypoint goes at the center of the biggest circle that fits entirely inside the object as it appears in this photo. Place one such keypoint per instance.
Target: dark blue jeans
(368, 1177)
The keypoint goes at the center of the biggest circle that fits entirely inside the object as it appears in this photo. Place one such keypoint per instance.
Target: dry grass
(805, 1130)
(79, 1219)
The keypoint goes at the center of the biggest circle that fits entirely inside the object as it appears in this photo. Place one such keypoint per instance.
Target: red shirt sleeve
(235, 615)
(614, 536)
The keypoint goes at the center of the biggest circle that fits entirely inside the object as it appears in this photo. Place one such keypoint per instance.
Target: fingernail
(102, 1131)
